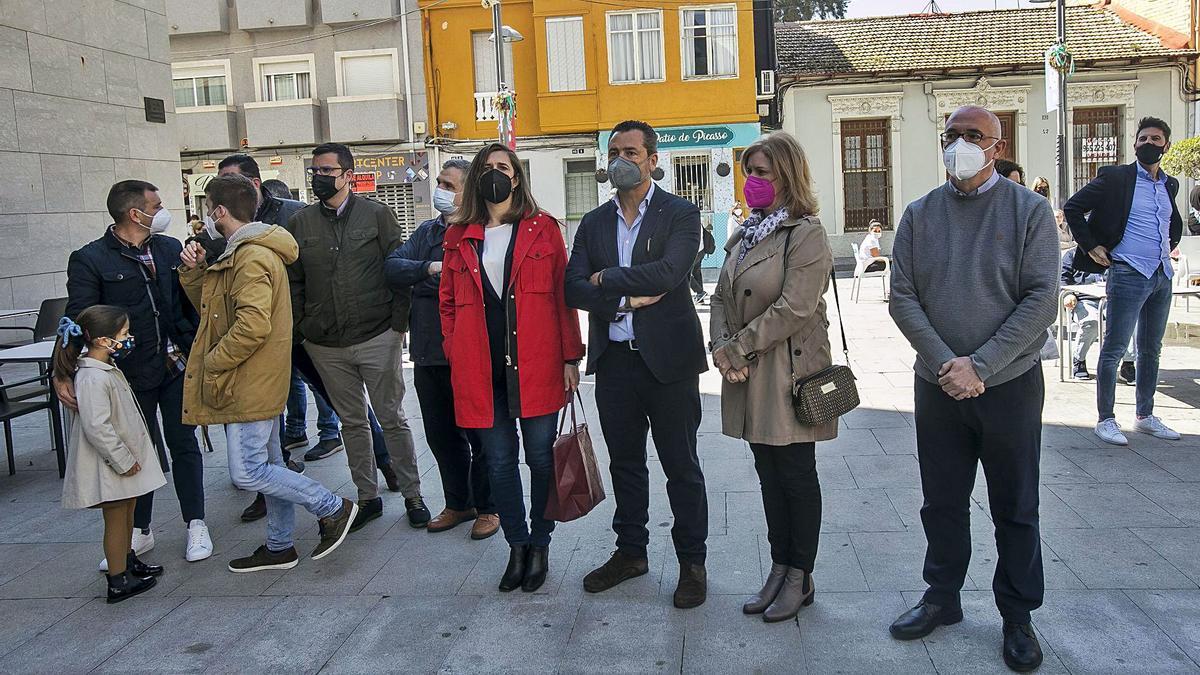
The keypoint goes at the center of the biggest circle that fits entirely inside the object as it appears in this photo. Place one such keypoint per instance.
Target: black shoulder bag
(830, 392)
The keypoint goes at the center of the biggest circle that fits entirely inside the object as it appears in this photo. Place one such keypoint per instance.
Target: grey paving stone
(907, 502)
(728, 474)
(746, 510)
(408, 571)
(1181, 500)
(513, 633)
(851, 442)
(1113, 559)
(719, 639)
(212, 577)
(1117, 465)
(1053, 512)
(847, 633)
(837, 568)
(79, 642)
(867, 418)
(897, 441)
(1176, 613)
(71, 573)
(1058, 436)
(1183, 463)
(733, 565)
(297, 635)
(592, 553)
(834, 474)
(345, 572)
(23, 619)
(1106, 632)
(1115, 505)
(892, 561)
(194, 636)
(984, 556)
(1055, 468)
(975, 644)
(415, 634)
(885, 471)
(858, 511)
(630, 635)
(1180, 546)
(17, 559)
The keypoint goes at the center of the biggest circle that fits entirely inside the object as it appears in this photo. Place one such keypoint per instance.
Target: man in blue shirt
(1131, 226)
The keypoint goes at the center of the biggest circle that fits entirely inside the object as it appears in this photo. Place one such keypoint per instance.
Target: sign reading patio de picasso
(690, 137)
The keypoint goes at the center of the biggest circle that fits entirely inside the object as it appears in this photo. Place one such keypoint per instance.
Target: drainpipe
(408, 102)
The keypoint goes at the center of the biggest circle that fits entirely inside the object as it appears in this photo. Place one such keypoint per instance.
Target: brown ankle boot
(620, 567)
(693, 585)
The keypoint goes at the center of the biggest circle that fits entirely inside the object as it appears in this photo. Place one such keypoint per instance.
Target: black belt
(630, 345)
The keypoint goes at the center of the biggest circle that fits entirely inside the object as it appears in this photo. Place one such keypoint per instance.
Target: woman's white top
(495, 250)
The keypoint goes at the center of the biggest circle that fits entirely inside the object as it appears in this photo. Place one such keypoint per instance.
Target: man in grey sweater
(991, 245)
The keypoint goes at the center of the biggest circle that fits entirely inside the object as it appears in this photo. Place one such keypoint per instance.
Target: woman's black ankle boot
(514, 574)
(140, 569)
(124, 585)
(536, 566)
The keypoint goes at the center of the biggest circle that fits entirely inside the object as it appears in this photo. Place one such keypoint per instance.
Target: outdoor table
(16, 313)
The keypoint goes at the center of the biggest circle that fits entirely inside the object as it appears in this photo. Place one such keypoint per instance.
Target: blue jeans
(501, 448)
(328, 424)
(1133, 300)
(256, 464)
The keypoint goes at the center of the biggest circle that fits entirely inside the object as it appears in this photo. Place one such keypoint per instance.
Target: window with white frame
(564, 53)
(200, 84)
(371, 72)
(635, 47)
(285, 78)
(709, 37)
(484, 53)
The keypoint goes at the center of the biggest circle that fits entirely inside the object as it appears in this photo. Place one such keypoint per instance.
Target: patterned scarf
(756, 228)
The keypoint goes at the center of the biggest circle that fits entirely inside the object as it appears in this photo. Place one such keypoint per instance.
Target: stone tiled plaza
(1120, 533)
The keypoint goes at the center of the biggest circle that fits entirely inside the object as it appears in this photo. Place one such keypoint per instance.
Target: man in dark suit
(629, 270)
(1126, 222)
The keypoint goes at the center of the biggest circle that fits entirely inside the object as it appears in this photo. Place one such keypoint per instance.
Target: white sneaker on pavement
(1155, 427)
(140, 544)
(199, 544)
(1110, 432)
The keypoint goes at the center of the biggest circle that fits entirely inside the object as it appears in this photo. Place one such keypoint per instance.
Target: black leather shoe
(417, 511)
(514, 574)
(368, 510)
(1022, 652)
(256, 510)
(537, 563)
(140, 569)
(1128, 373)
(124, 586)
(921, 620)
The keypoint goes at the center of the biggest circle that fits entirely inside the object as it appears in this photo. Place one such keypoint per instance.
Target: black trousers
(632, 402)
(697, 279)
(458, 451)
(1003, 430)
(186, 465)
(791, 496)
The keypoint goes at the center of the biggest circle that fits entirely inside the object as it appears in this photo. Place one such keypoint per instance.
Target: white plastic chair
(1185, 275)
(860, 273)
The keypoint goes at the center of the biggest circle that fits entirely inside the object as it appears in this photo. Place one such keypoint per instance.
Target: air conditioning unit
(766, 83)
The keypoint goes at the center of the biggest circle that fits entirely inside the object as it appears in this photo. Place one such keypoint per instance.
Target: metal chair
(26, 402)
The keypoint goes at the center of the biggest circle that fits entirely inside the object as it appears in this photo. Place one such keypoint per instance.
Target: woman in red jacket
(512, 343)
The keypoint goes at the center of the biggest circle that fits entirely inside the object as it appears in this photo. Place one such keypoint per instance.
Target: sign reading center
(693, 137)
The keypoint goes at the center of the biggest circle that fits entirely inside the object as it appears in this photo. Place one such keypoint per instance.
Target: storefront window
(866, 173)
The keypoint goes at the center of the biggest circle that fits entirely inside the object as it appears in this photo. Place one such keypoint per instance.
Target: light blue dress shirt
(987, 185)
(621, 330)
(1147, 240)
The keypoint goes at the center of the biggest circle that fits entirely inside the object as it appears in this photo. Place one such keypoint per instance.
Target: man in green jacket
(352, 323)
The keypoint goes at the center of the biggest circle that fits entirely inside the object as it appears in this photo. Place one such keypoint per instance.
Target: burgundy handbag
(577, 487)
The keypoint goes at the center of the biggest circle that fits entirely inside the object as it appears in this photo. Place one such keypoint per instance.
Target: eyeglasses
(325, 170)
(949, 137)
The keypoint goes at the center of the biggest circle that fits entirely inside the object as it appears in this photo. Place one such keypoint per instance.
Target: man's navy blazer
(667, 333)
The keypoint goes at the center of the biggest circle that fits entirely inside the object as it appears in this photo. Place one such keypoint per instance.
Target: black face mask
(324, 187)
(494, 186)
(1149, 154)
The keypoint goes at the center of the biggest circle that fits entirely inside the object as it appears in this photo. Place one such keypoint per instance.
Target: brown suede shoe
(620, 567)
(335, 528)
(485, 526)
(693, 585)
(449, 518)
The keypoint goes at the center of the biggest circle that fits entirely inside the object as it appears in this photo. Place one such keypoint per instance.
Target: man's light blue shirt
(987, 185)
(621, 330)
(1147, 240)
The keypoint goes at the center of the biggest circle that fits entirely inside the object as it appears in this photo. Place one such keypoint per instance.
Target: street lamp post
(505, 99)
(1061, 67)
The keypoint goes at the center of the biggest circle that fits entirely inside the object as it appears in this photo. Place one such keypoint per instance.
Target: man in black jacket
(133, 265)
(629, 270)
(1126, 222)
(417, 265)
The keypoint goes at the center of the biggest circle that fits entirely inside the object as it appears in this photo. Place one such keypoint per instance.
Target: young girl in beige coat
(111, 460)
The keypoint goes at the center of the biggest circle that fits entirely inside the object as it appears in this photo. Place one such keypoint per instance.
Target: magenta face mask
(759, 193)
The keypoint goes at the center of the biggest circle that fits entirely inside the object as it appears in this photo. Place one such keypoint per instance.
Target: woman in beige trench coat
(769, 328)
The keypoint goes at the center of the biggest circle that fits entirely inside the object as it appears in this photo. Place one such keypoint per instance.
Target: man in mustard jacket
(239, 372)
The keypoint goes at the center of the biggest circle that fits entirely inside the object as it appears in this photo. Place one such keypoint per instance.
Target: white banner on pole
(1052, 92)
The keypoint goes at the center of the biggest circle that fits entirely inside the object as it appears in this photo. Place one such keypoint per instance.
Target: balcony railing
(485, 107)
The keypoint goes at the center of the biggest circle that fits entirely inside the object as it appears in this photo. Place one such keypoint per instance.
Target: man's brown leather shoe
(693, 585)
(620, 567)
(486, 524)
(450, 518)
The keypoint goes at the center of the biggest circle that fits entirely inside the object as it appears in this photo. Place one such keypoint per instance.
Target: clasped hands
(725, 366)
(958, 379)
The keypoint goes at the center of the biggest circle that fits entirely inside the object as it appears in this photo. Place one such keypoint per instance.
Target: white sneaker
(1155, 427)
(199, 544)
(140, 544)
(1110, 432)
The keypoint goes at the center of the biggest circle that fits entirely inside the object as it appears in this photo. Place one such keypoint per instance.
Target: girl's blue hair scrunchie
(68, 329)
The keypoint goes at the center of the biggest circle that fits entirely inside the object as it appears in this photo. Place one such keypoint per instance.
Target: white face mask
(965, 160)
(159, 222)
(210, 228)
(443, 201)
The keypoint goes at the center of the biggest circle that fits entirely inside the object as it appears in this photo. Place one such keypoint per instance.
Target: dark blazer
(107, 272)
(1098, 213)
(668, 332)
(408, 268)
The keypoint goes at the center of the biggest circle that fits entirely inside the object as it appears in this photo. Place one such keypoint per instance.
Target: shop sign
(1099, 149)
(694, 137)
(391, 169)
(363, 182)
